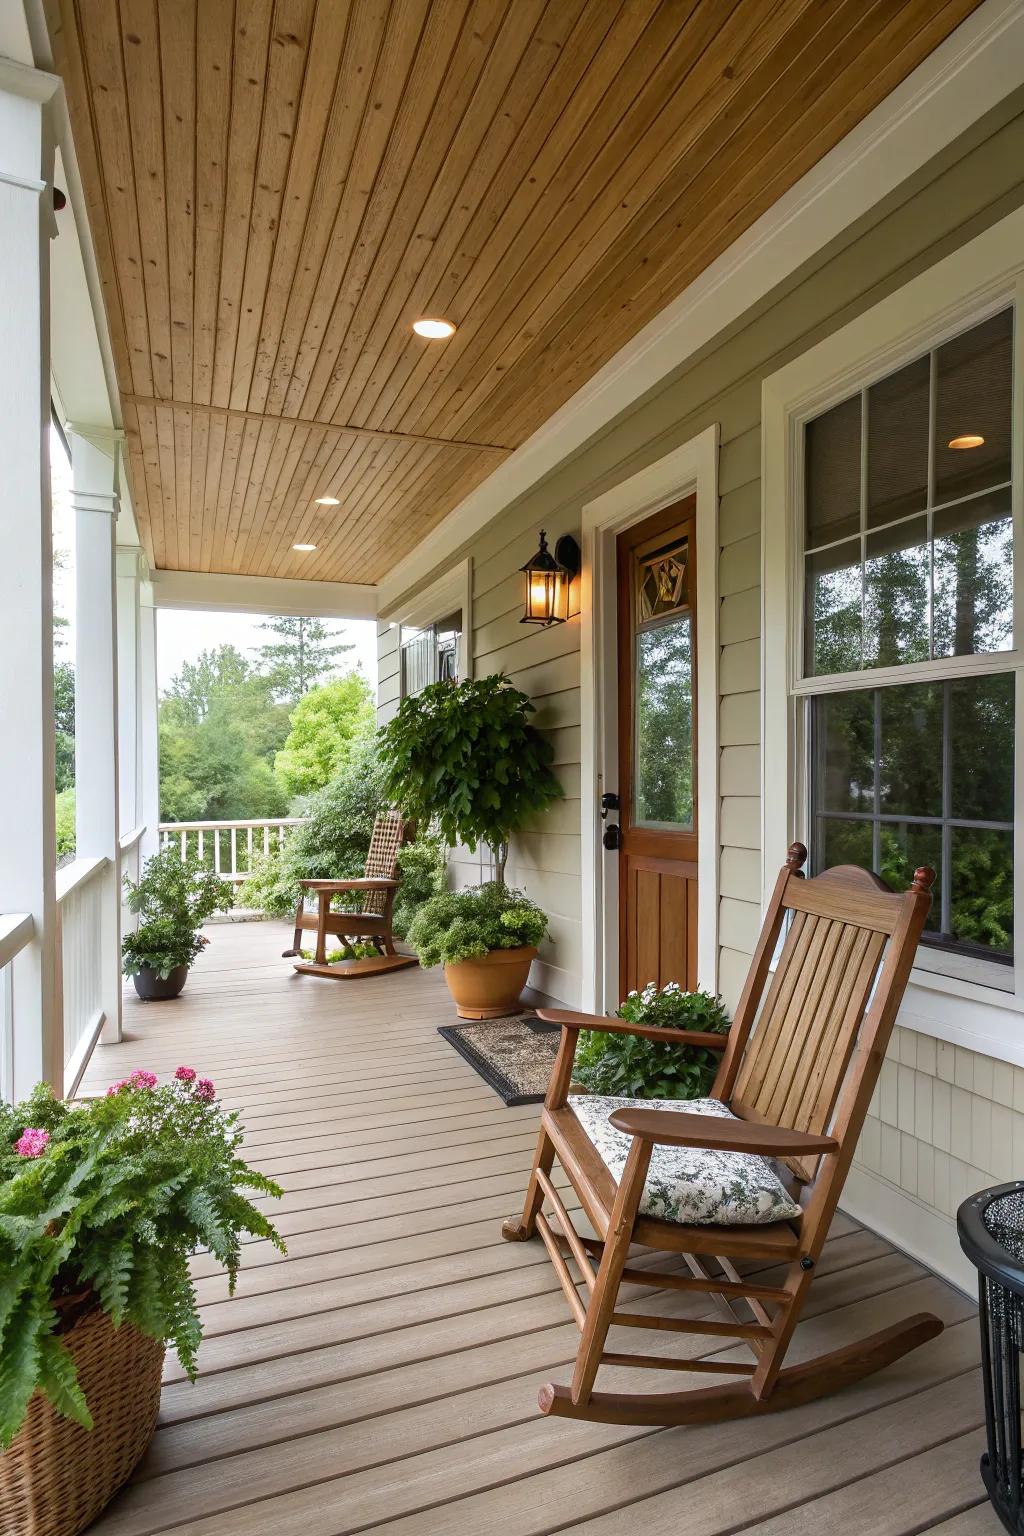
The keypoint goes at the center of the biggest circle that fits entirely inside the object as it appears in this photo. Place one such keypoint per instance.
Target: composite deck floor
(383, 1377)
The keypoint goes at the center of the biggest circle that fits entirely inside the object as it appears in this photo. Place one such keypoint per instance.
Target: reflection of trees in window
(922, 773)
(908, 540)
(664, 723)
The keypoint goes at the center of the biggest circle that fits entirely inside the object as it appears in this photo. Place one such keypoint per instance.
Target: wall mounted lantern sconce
(548, 579)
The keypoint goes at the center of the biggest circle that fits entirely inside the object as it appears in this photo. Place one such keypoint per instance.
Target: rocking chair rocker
(799, 1087)
(372, 919)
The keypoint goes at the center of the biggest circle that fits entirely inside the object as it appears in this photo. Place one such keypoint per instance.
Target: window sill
(965, 1013)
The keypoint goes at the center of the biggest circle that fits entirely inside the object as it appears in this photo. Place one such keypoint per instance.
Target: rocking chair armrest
(578, 1021)
(677, 1128)
(363, 883)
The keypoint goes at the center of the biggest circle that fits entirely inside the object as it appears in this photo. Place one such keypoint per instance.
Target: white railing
(232, 843)
(16, 930)
(80, 935)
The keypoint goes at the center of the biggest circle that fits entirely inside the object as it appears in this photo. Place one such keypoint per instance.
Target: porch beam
(211, 591)
(97, 820)
(148, 724)
(28, 863)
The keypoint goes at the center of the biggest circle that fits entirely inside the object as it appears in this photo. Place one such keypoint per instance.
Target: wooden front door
(657, 750)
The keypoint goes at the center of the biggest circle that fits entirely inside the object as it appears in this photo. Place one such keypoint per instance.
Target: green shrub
(424, 867)
(462, 925)
(173, 899)
(110, 1198)
(65, 822)
(628, 1066)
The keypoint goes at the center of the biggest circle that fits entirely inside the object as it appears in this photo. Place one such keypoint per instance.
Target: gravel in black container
(991, 1230)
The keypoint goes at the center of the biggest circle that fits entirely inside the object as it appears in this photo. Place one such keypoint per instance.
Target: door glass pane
(973, 391)
(832, 474)
(974, 576)
(663, 751)
(898, 444)
(896, 599)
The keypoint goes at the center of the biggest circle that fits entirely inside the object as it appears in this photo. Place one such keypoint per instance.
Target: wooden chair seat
(798, 1069)
(575, 1150)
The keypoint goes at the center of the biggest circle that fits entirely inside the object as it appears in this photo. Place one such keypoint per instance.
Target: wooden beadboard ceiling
(277, 188)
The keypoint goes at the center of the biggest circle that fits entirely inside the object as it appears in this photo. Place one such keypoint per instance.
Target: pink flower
(185, 1074)
(205, 1090)
(122, 1082)
(140, 1079)
(32, 1142)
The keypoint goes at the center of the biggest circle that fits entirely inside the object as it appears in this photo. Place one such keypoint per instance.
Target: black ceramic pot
(154, 988)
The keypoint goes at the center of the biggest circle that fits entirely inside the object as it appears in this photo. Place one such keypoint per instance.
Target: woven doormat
(514, 1056)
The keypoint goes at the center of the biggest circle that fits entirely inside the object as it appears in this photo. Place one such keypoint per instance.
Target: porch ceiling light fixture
(548, 579)
(327, 501)
(966, 440)
(304, 549)
(433, 329)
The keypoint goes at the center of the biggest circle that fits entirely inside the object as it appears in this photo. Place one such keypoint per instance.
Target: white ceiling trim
(968, 74)
(263, 594)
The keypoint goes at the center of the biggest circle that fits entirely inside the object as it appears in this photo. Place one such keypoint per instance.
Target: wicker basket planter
(57, 1477)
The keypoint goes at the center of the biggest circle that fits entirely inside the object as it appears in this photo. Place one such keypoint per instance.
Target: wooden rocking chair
(370, 921)
(800, 1085)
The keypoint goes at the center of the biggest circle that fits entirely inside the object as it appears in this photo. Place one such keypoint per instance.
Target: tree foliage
(466, 757)
(303, 653)
(111, 1197)
(325, 724)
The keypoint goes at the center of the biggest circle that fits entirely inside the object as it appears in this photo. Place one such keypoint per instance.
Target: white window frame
(981, 278)
(450, 593)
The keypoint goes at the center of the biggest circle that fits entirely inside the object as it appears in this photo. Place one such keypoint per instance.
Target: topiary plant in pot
(466, 758)
(486, 939)
(173, 899)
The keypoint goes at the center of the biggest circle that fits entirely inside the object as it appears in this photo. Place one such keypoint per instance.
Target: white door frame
(690, 469)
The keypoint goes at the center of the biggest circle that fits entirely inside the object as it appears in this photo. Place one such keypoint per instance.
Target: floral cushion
(691, 1185)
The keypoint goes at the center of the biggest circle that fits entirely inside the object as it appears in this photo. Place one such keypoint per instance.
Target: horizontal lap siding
(967, 188)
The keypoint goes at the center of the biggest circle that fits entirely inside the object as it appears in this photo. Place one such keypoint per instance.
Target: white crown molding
(979, 64)
(263, 594)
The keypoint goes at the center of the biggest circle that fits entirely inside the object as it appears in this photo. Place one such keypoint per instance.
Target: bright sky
(181, 635)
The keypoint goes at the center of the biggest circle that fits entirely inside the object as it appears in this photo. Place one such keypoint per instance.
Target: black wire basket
(991, 1230)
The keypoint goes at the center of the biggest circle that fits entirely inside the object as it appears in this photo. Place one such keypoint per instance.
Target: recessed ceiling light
(967, 440)
(304, 549)
(327, 501)
(436, 330)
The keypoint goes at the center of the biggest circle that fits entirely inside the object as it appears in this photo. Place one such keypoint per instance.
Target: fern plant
(628, 1066)
(104, 1202)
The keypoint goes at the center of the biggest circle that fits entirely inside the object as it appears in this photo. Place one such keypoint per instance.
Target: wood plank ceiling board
(278, 188)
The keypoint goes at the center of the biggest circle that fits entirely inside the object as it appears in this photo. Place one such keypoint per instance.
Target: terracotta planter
(489, 987)
(154, 988)
(57, 1477)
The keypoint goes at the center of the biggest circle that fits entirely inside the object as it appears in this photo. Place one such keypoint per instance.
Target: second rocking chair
(793, 1090)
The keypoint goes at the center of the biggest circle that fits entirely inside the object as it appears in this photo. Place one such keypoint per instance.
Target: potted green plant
(486, 938)
(101, 1205)
(173, 899)
(626, 1066)
(466, 758)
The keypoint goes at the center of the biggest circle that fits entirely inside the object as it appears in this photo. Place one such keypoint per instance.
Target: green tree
(220, 729)
(303, 654)
(64, 720)
(325, 724)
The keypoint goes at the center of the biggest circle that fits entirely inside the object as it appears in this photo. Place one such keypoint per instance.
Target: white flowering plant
(628, 1066)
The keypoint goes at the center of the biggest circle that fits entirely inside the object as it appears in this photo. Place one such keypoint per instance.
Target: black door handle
(612, 838)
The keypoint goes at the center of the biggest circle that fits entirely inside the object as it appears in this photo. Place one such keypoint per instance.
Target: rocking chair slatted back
(833, 959)
(382, 857)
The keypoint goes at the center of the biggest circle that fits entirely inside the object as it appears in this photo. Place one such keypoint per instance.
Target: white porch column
(28, 848)
(149, 740)
(95, 500)
(130, 569)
